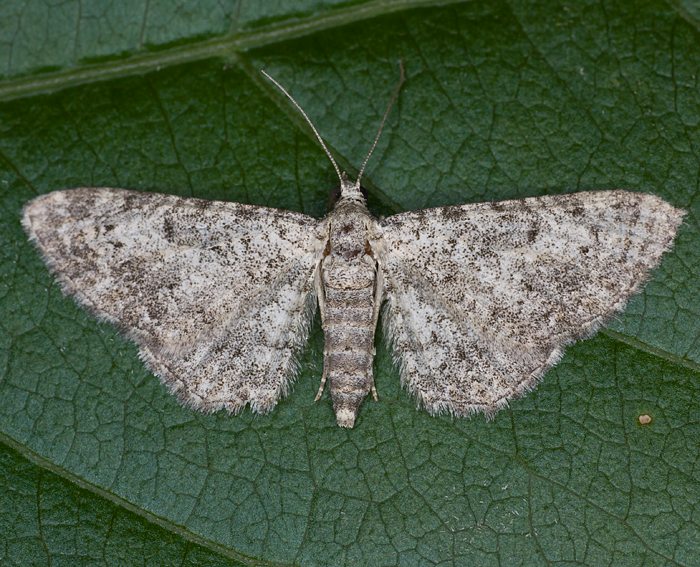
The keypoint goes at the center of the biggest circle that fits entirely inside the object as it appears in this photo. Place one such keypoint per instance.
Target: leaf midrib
(100, 492)
(226, 47)
(645, 347)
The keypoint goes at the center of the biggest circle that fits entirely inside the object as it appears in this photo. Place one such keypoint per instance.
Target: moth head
(345, 190)
(351, 189)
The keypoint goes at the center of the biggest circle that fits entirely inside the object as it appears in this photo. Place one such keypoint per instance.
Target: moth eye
(333, 196)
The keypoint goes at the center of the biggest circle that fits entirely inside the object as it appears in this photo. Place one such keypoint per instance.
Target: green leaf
(502, 100)
(47, 519)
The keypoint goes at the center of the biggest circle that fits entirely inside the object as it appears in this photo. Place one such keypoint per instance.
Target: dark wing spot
(450, 213)
(333, 196)
(168, 229)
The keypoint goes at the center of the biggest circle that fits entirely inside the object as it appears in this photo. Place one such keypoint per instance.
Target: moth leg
(323, 381)
(378, 298)
(321, 297)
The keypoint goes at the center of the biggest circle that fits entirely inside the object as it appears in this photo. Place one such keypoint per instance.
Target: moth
(479, 300)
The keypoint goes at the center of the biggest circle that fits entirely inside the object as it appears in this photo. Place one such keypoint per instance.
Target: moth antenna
(397, 89)
(308, 120)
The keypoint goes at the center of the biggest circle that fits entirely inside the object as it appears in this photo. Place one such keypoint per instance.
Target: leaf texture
(502, 100)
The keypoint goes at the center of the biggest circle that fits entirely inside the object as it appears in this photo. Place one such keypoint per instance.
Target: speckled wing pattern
(482, 299)
(218, 296)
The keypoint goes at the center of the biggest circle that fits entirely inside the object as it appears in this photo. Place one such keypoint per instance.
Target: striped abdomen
(349, 309)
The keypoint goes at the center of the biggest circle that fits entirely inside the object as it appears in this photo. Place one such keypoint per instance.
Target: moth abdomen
(351, 360)
(349, 354)
(348, 363)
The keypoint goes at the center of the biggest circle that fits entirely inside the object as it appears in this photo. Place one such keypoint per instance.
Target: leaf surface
(502, 100)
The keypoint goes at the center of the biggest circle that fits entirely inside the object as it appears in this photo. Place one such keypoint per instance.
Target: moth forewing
(214, 294)
(483, 298)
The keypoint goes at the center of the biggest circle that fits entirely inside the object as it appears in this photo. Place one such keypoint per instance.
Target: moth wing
(482, 299)
(218, 296)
